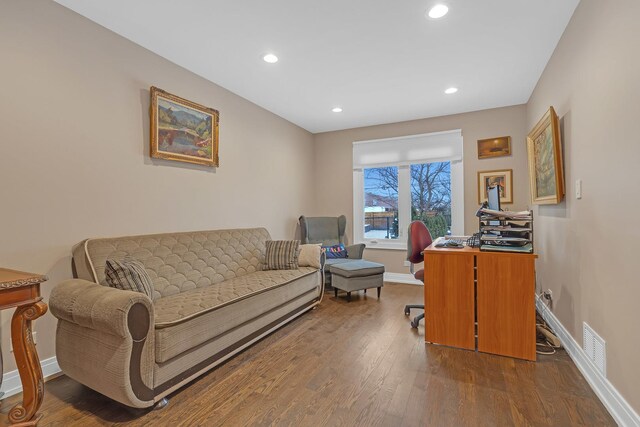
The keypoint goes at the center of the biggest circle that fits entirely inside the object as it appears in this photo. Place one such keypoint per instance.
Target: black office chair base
(408, 308)
(416, 320)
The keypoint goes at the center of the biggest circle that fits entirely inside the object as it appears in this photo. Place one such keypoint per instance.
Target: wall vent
(595, 348)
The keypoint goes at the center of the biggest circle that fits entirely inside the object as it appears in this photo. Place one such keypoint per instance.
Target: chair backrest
(419, 238)
(328, 230)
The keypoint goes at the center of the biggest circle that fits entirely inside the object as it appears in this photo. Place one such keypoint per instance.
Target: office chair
(418, 239)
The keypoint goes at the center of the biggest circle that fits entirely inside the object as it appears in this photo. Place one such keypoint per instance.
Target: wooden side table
(22, 291)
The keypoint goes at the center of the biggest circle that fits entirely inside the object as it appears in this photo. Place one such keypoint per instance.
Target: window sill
(385, 246)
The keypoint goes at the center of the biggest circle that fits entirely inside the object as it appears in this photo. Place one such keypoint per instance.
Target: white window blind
(406, 150)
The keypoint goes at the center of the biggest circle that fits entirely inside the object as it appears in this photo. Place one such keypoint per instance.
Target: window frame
(404, 203)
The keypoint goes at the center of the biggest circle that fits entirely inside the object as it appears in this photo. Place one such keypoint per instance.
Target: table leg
(28, 365)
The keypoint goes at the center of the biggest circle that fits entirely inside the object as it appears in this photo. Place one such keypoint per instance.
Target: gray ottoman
(356, 275)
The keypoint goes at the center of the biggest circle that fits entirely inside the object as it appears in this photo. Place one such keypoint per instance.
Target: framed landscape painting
(182, 130)
(494, 147)
(502, 178)
(544, 150)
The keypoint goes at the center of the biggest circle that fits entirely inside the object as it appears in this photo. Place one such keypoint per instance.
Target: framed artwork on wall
(494, 147)
(502, 178)
(544, 151)
(182, 130)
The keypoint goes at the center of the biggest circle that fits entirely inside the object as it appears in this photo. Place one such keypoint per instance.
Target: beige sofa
(212, 299)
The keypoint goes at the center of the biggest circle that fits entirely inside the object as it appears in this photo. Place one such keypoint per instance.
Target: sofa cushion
(191, 318)
(215, 350)
(334, 261)
(128, 275)
(282, 254)
(310, 255)
(179, 262)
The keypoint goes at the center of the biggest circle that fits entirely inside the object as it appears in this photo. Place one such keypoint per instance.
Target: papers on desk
(508, 227)
(506, 231)
(438, 241)
(441, 242)
(495, 238)
(528, 248)
(463, 238)
(521, 215)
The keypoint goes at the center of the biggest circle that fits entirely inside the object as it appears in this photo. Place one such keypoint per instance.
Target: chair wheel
(414, 325)
(407, 312)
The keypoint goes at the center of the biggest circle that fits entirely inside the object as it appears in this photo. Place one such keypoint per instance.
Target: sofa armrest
(355, 251)
(105, 340)
(96, 307)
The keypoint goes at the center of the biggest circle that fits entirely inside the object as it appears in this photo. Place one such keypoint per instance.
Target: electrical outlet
(34, 335)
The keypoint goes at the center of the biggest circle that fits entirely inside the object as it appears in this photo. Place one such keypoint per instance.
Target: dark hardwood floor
(356, 363)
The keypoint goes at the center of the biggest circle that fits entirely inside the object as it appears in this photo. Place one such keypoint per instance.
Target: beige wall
(334, 171)
(589, 247)
(74, 114)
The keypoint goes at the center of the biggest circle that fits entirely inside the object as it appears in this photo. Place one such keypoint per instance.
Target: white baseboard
(617, 406)
(11, 380)
(401, 278)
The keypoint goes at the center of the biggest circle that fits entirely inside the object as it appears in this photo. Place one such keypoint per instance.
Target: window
(381, 203)
(399, 180)
(431, 196)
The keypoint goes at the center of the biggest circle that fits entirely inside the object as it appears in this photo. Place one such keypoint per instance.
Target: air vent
(595, 348)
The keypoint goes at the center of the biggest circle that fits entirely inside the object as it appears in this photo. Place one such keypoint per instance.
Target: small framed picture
(494, 147)
(501, 178)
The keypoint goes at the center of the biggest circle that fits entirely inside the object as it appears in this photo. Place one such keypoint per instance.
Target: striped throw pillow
(282, 254)
(128, 275)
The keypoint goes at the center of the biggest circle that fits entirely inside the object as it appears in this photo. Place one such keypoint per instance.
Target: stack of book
(506, 231)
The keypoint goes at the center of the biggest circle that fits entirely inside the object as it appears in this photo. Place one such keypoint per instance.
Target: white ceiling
(382, 61)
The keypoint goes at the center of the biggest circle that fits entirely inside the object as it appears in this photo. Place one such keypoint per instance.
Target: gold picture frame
(544, 151)
(182, 130)
(503, 178)
(494, 147)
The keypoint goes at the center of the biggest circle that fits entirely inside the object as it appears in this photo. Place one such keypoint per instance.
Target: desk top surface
(10, 279)
(467, 250)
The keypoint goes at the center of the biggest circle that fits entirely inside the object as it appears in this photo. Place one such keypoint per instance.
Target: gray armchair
(329, 231)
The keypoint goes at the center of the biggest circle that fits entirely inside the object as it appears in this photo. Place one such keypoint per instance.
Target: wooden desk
(22, 290)
(493, 290)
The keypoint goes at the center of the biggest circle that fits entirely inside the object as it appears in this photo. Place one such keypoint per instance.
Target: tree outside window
(430, 186)
(431, 196)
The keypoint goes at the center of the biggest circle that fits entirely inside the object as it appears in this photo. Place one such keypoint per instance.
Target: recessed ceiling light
(336, 110)
(438, 11)
(270, 58)
(451, 90)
